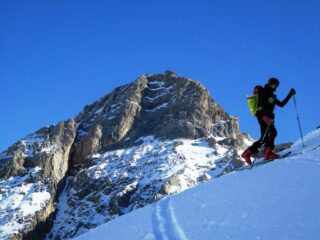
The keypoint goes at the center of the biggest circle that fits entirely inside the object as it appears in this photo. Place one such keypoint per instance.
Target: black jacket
(268, 100)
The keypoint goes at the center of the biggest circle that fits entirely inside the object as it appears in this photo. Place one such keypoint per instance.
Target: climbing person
(264, 113)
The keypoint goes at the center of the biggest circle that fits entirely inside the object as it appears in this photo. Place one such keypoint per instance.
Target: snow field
(278, 200)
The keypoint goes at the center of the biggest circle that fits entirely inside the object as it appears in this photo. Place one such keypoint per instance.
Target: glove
(292, 91)
(267, 120)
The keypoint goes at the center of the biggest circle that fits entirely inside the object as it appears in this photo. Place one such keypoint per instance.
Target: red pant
(266, 139)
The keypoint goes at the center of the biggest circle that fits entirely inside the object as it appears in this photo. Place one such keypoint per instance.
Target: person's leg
(253, 149)
(255, 146)
(263, 128)
(273, 137)
(269, 154)
(272, 134)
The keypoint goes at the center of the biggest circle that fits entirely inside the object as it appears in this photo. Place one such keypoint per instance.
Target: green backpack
(253, 100)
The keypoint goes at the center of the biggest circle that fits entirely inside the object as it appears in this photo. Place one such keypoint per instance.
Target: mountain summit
(156, 136)
(165, 106)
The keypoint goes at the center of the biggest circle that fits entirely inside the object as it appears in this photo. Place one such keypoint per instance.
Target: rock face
(48, 149)
(33, 168)
(164, 105)
(112, 150)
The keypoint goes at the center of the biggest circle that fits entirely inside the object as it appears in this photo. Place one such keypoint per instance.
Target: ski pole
(298, 118)
(265, 133)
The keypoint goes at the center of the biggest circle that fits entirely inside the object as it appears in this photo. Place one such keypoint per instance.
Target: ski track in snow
(158, 223)
(165, 223)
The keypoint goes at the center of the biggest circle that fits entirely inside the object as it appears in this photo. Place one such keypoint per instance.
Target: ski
(287, 154)
(261, 161)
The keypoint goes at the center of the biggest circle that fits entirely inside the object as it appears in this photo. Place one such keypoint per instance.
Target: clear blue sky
(58, 56)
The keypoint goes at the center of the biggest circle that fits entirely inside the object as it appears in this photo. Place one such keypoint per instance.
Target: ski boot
(268, 154)
(246, 156)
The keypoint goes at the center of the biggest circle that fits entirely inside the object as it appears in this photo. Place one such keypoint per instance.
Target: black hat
(273, 81)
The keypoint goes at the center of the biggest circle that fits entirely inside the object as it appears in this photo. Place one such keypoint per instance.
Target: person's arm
(285, 101)
(263, 98)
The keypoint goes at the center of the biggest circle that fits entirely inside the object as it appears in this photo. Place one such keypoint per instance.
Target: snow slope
(278, 200)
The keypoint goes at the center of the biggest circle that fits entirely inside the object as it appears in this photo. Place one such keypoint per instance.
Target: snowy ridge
(278, 200)
(143, 174)
(21, 197)
(29, 145)
(30, 171)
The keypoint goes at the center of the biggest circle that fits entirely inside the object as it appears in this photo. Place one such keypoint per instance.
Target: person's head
(273, 83)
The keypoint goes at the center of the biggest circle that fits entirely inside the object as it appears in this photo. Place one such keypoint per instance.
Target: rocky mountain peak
(158, 135)
(165, 105)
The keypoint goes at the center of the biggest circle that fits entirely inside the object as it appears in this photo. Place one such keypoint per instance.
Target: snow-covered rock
(123, 180)
(277, 200)
(21, 198)
(31, 172)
